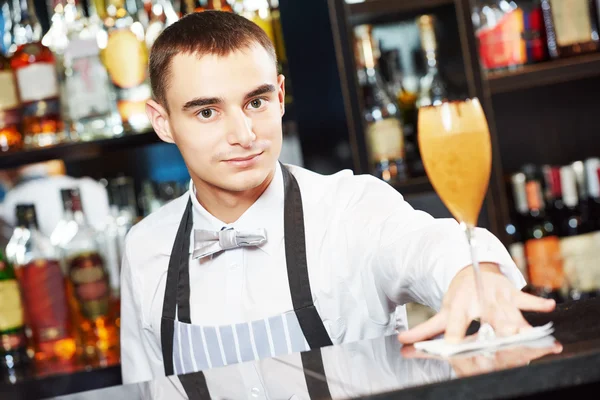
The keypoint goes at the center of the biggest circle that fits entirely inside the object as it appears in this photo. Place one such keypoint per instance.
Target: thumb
(432, 327)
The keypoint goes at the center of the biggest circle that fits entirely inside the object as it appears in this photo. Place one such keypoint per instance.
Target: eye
(206, 113)
(256, 103)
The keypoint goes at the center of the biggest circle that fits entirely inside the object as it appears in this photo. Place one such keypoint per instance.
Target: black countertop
(566, 364)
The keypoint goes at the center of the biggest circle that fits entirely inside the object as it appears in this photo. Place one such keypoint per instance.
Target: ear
(159, 118)
(281, 92)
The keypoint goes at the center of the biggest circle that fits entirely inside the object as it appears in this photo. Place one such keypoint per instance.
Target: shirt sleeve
(135, 364)
(416, 255)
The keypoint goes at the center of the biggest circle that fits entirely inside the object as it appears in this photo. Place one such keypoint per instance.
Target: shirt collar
(266, 212)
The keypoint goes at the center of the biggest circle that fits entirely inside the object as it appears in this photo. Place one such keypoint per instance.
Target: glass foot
(486, 332)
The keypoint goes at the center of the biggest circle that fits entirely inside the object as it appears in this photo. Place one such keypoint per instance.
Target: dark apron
(176, 305)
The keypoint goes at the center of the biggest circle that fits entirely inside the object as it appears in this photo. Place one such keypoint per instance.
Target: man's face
(225, 116)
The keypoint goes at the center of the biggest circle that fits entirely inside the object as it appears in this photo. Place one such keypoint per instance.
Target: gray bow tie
(211, 242)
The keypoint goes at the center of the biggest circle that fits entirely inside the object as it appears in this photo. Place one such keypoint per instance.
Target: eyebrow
(206, 101)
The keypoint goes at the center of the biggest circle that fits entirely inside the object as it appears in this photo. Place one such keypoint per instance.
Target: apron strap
(175, 277)
(312, 361)
(195, 386)
(295, 256)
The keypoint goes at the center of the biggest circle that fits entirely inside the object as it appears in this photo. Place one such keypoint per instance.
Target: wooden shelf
(77, 150)
(414, 186)
(549, 72)
(371, 11)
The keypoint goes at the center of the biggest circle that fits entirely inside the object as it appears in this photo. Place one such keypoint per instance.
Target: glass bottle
(89, 100)
(44, 291)
(37, 82)
(500, 31)
(384, 134)
(220, 5)
(125, 56)
(15, 364)
(571, 27)
(89, 279)
(433, 90)
(10, 110)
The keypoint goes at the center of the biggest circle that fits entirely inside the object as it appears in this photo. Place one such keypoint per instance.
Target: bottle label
(126, 59)
(572, 21)
(37, 82)
(8, 94)
(11, 309)
(87, 85)
(45, 296)
(90, 283)
(534, 195)
(545, 262)
(502, 45)
(581, 261)
(386, 139)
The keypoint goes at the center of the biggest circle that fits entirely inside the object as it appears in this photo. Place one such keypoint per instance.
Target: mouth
(242, 159)
(244, 162)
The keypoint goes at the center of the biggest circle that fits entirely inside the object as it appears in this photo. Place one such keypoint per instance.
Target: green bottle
(14, 361)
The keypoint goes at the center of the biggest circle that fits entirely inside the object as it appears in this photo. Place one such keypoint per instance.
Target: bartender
(261, 259)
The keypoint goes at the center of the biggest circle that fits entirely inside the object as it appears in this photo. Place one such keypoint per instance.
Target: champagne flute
(455, 145)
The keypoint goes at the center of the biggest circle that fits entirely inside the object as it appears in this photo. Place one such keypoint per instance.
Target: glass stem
(485, 331)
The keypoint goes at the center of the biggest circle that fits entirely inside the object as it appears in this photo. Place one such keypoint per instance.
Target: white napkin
(442, 348)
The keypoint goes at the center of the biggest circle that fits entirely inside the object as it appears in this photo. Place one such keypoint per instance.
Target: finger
(428, 329)
(508, 320)
(529, 302)
(457, 325)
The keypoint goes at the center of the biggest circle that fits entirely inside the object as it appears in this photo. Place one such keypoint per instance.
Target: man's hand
(461, 305)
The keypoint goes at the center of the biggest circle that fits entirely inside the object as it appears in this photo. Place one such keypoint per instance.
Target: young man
(261, 259)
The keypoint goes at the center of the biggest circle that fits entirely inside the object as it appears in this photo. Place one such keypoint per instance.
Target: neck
(225, 205)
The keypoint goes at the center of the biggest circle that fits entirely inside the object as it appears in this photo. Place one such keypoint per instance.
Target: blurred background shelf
(545, 73)
(77, 150)
(414, 186)
(376, 10)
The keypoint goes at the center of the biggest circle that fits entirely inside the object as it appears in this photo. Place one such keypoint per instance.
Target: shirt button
(255, 392)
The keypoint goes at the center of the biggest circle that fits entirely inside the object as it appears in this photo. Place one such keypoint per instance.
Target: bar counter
(565, 364)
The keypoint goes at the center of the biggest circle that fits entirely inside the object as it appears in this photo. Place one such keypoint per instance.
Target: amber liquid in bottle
(10, 113)
(48, 315)
(91, 300)
(34, 65)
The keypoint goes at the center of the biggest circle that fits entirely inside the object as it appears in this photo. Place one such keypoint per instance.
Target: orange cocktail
(454, 140)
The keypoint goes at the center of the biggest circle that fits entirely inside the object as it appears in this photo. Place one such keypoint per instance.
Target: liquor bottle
(542, 245)
(15, 364)
(6, 23)
(90, 283)
(162, 16)
(500, 30)
(553, 194)
(45, 296)
(37, 82)
(10, 112)
(592, 166)
(571, 27)
(534, 31)
(518, 222)
(433, 89)
(89, 104)
(384, 133)
(582, 190)
(258, 11)
(577, 242)
(126, 59)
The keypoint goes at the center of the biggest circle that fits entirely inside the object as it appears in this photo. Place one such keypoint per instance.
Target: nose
(240, 131)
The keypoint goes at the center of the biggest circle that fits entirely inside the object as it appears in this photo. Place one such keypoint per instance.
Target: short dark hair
(208, 32)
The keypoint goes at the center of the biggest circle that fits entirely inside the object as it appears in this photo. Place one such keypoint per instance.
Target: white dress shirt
(368, 251)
